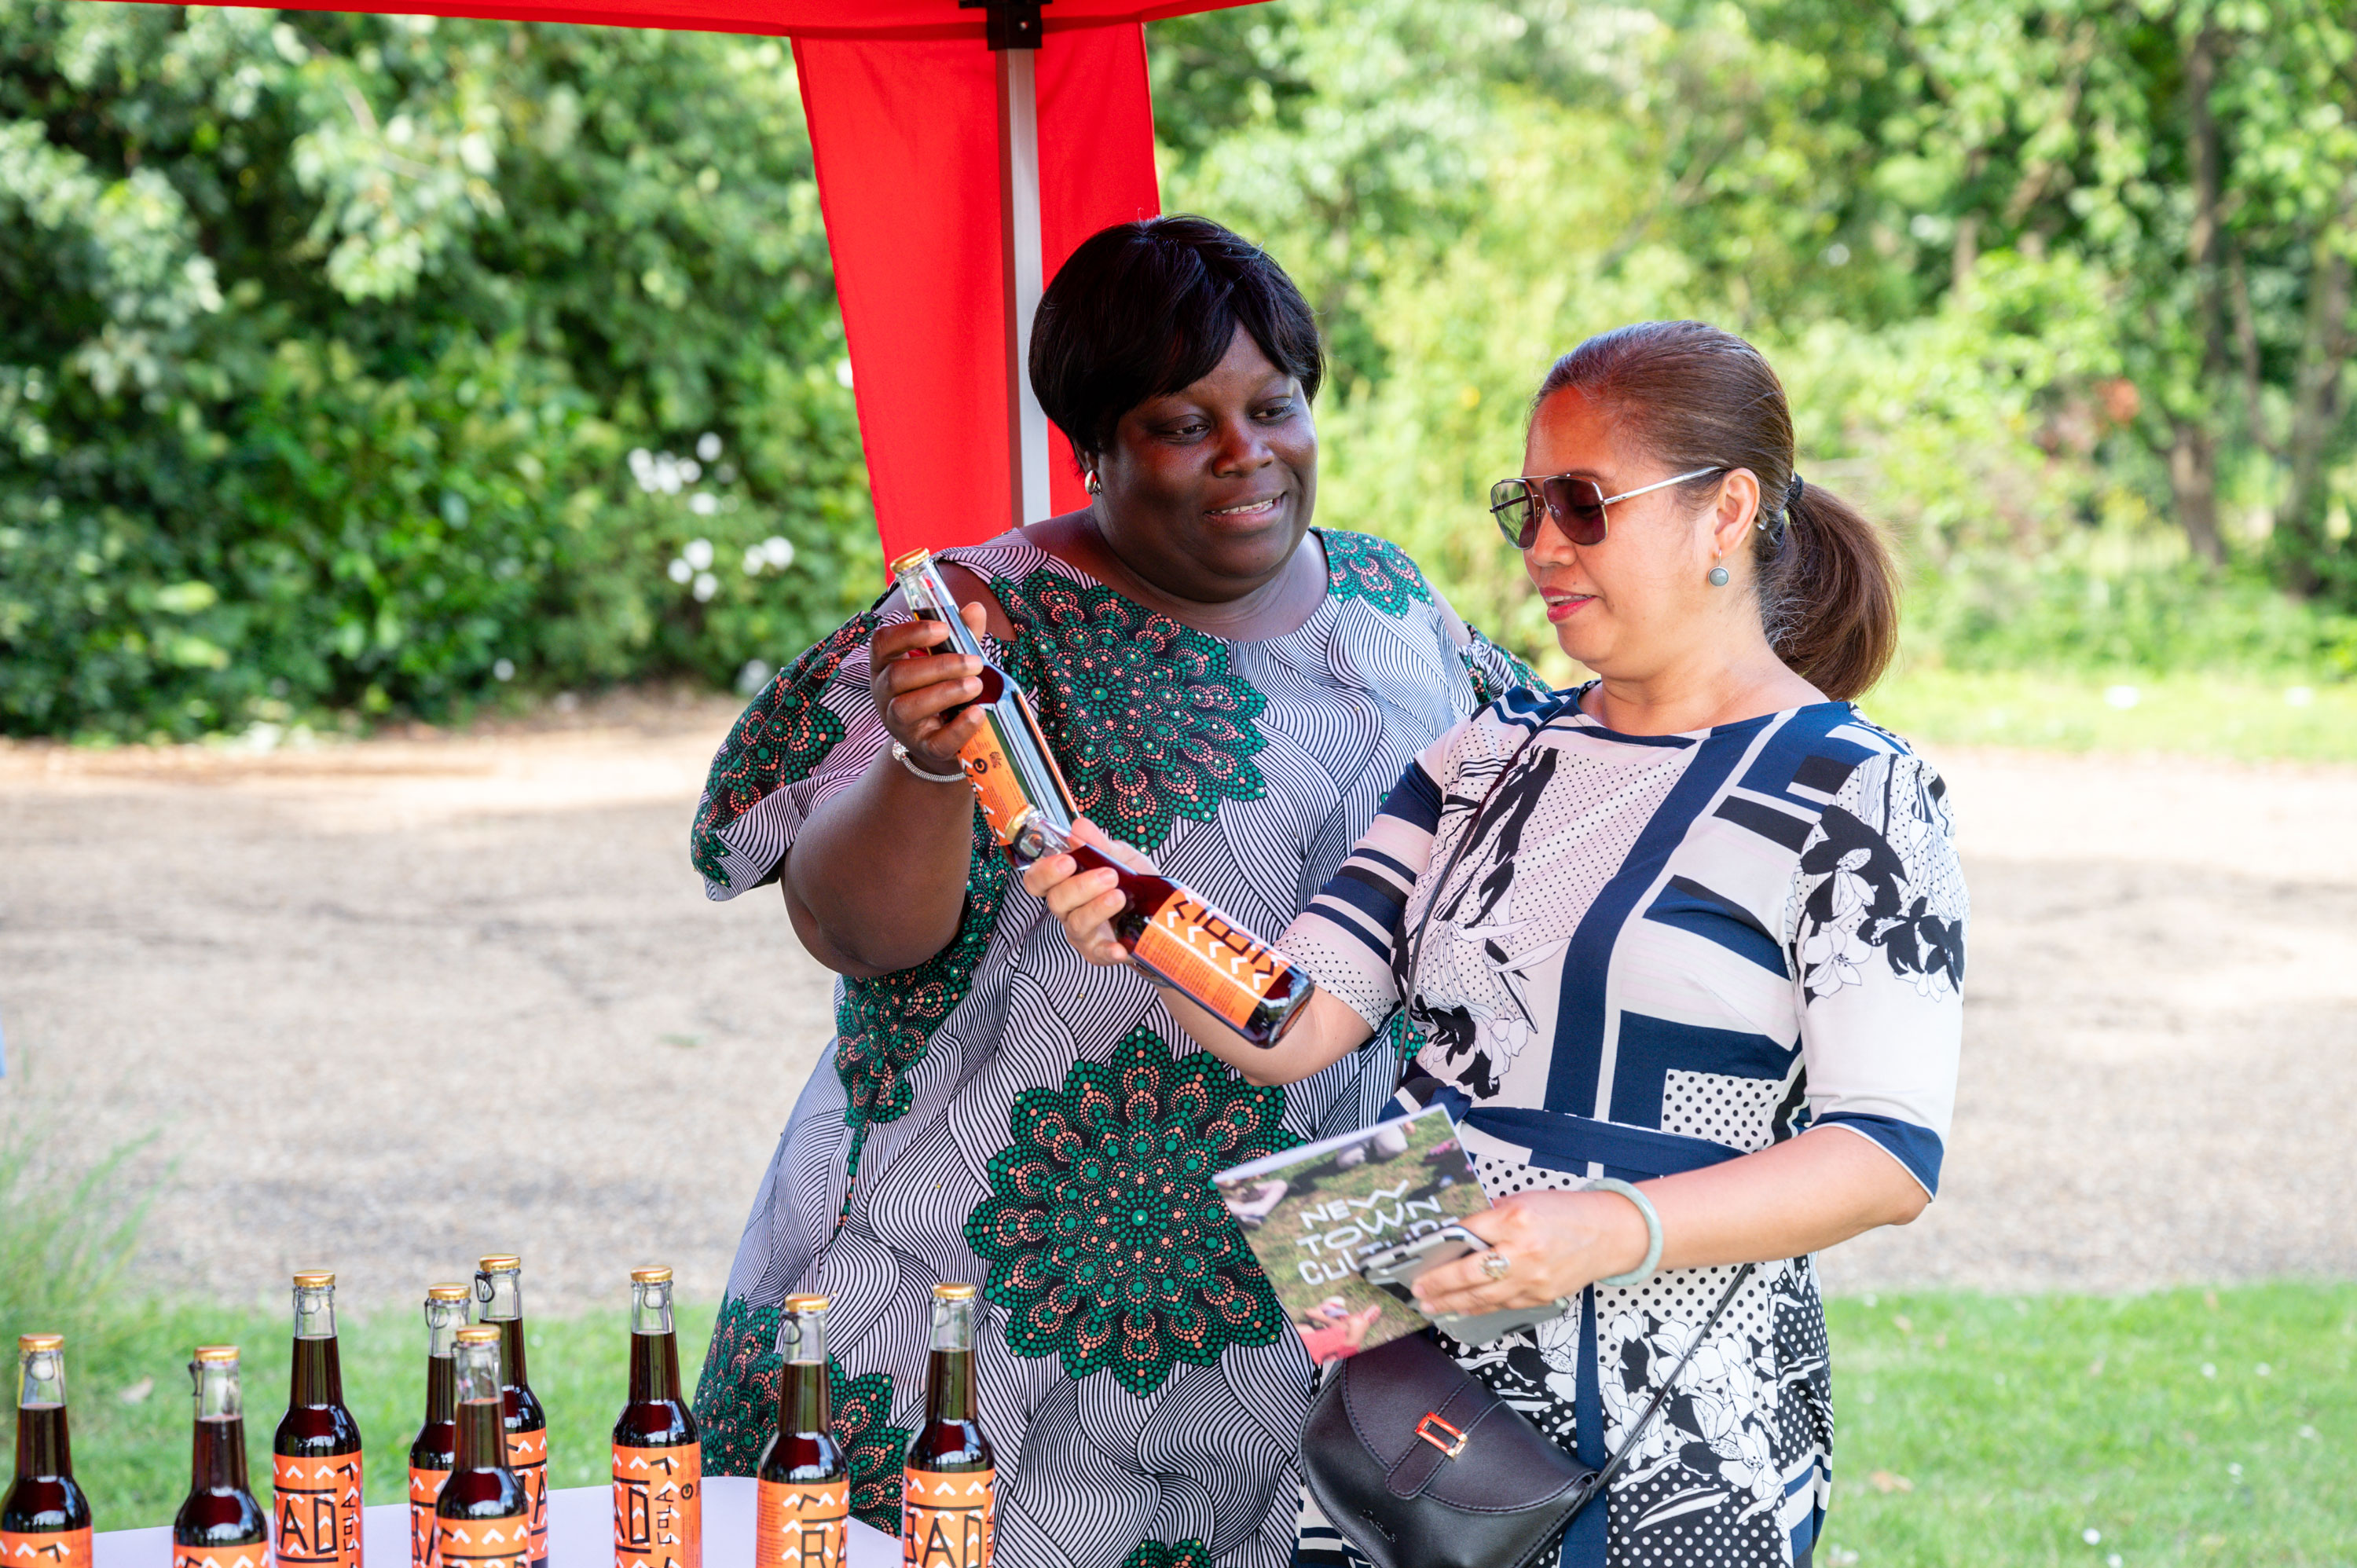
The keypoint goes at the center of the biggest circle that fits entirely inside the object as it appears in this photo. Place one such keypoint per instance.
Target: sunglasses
(1575, 504)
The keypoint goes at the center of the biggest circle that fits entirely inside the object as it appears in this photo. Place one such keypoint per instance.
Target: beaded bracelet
(1643, 1271)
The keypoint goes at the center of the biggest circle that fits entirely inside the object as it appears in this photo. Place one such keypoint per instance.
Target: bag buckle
(1448, 1449)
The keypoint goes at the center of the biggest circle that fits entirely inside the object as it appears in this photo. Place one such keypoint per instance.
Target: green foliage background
(361, 365)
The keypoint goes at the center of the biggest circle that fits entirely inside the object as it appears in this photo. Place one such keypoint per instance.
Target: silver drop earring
(1718, 576)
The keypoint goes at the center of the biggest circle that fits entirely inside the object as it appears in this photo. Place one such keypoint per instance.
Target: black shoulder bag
(1417, 1461)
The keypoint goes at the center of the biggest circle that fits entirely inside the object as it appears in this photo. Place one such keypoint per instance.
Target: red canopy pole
(1024, 274)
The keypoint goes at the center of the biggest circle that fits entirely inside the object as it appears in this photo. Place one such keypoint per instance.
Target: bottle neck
(318, 1378)
(42, 1447)
(804, 1403)
(512, 1372)
(654, 1367)
(441, 1389)
(948, 1386)
(219, 1456)
(483, 1435)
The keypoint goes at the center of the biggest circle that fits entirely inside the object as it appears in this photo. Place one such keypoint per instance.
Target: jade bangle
(1643, 1271)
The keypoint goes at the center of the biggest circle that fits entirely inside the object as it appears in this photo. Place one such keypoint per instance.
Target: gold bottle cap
(211, 1353)
(652, 1275)
(500, 1264)
(479, 1334)
(913, 558)
(316, 1279)
(29, 1343)
(448, 1293)
(807, 1304)
(953, 1290)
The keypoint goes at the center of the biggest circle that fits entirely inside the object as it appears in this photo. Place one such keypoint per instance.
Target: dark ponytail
(1695, 397)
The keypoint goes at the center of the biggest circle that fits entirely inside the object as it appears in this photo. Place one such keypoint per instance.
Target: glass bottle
(498, 1296)
(219, 1525)
(436, 1448)
(1170, 934)
(483, 1518)
(804, 1517)
(949, 1483)
(315, 1503)
(658, 1460)
(44, 1517)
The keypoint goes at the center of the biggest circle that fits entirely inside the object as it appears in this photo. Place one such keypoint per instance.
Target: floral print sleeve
(1876, 925)
(811, 732)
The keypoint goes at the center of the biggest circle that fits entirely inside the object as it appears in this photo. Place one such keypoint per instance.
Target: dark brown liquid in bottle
(220, 1510)
(480, 1484)
(436, 1445)
(44, 1497)
(951, 1441)
(803, 1448)
(317, 1423)
(656, 1417)
(523, 1406)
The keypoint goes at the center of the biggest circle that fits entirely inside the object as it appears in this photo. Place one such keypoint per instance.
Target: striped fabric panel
(1345, 937)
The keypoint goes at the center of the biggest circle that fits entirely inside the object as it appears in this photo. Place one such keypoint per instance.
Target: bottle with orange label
(499, 1298)
(436, 1448)
(658, 1460)
(219, 1525)
(948, 1482)
(315, 1503)
(1172, 934)
(44, 1518)
(483, 1518)
(804, 1517)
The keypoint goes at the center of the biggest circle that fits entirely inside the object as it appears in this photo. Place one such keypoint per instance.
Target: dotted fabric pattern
(1736, 1112)
(1107, 1243)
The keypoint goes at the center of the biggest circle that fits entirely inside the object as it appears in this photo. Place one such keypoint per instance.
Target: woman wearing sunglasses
(1695, 928)
(1225, 687)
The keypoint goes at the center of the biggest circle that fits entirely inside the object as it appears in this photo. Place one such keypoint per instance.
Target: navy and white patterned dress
(1009, 1114)
(1661, 952)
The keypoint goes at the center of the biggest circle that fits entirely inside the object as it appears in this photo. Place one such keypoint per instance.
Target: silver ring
(1495, 1264)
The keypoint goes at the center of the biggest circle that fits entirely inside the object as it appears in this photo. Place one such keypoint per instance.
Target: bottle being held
(44, 1517)
(315, 1503)
(498, 1296)
(483, 1518)
(219, 1525)
(949, 1490)
(804, 1517)
(435, 1451)
(658, 1459)
(1171, 935)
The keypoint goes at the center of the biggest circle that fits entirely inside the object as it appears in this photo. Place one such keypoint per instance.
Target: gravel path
(390, 1004)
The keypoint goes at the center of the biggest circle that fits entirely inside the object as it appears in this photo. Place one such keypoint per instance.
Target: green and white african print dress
(1007, 1114)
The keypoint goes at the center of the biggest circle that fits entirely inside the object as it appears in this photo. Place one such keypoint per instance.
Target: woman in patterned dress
(1695, 926)
(1225, 688)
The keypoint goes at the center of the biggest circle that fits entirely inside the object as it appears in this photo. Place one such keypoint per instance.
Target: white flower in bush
(707, 447)
(702, 504)
(698, 554)
(707, 584)
(679, 570)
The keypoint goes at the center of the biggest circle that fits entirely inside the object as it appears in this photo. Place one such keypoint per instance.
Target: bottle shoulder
(655, 1423)
(41, 1505)
(315, 1430)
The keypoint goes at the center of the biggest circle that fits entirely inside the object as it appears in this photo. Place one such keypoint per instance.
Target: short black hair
(1145, 308)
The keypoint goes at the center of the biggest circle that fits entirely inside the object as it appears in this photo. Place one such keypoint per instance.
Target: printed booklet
(1311, 1214)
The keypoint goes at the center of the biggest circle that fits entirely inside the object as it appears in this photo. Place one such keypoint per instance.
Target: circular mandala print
(1107, 1244)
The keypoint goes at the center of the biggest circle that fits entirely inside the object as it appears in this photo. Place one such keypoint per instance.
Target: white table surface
(580, 1532)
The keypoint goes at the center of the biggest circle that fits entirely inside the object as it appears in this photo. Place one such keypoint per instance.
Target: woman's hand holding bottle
(1086, 901)
(926, 699)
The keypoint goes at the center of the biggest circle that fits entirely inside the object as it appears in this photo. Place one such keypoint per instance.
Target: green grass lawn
(1974, 1430)
(2203, 715)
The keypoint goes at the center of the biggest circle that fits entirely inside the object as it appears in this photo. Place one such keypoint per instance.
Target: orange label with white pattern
(528, 1457)
(256, 1555)
(45, 1548)
(504, 1542)
(425, 1491)
(315, 1510)
(947, 1521)
(803, 1524)
(1210, 957)
(659, 1506)
(995, 783)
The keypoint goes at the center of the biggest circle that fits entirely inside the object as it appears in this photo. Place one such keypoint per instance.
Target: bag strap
(1613, 1466)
